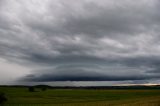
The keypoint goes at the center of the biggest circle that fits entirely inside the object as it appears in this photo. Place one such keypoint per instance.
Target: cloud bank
(82, 40)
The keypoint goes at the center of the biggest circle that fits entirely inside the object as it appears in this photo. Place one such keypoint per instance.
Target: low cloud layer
(81, 75)
(82, 40)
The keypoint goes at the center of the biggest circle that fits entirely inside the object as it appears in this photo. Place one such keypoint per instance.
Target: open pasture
(20, 96)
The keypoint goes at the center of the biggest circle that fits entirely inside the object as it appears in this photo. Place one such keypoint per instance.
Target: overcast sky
(112, 41)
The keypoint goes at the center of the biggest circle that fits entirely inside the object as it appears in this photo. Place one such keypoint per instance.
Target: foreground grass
(69, 97)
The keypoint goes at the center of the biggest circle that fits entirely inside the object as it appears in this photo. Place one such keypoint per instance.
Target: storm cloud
(82, 40)
(82, 74)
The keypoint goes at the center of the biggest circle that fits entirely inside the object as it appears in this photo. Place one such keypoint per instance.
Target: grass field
(72, 97)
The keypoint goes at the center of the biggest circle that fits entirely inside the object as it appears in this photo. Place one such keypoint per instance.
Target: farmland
(20, 96)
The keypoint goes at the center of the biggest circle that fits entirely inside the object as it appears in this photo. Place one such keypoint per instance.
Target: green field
(20, 96)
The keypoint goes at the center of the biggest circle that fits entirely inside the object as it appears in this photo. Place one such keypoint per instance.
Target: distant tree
(3, 98)
(31, 89)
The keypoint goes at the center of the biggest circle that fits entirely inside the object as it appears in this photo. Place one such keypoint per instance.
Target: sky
(79, 42)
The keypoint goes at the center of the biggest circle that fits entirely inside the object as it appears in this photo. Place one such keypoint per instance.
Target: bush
(3, 98)
(31, 89)
(43, 88)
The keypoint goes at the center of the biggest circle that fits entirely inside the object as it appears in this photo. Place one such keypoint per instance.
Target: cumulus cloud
(93, 40)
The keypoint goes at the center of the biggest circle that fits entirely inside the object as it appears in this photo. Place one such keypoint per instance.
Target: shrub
(31, 89)
(43, 88)
(3, 98)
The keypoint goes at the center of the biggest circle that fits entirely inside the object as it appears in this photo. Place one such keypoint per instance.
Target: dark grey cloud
(81, 74)
(94, 19)
(49, 77)
(86, 40)
(154, 70)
